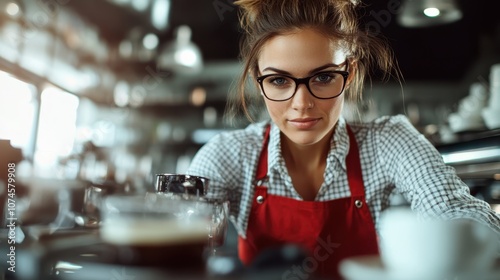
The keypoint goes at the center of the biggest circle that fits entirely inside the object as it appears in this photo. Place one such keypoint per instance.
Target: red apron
(329, 230)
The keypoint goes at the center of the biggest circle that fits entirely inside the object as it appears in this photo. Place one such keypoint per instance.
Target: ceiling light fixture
(12, 9)
(426, 13)
(139, 45)
(181, 55)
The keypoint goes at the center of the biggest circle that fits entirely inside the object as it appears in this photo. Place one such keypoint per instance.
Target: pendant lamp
(426, 13)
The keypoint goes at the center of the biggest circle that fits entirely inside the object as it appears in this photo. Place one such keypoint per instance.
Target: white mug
(413, 248)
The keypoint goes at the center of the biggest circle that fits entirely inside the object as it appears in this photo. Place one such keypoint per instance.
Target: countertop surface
(81, 254)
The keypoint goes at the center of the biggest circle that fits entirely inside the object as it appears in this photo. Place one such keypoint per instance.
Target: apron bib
(328, 230)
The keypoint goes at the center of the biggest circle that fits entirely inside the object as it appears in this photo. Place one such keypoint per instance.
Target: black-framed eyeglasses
(322, 85)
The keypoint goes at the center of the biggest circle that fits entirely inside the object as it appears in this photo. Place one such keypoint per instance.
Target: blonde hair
(264, 19)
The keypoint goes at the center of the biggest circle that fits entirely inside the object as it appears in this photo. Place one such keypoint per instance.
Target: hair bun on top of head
(252, 8)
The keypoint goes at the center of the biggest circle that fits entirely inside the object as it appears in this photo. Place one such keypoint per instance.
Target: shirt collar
(275, 158)
(339, 146)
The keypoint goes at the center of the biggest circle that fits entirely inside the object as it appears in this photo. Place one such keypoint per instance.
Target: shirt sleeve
(218, 160)
(431, 187)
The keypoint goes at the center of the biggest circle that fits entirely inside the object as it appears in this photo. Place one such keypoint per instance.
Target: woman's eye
(278, 81)
(324, 78)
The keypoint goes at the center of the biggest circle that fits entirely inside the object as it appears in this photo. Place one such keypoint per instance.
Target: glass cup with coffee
(195, 188)
(155, 230)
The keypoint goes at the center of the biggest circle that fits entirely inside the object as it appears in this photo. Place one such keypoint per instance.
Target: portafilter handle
(182, 184)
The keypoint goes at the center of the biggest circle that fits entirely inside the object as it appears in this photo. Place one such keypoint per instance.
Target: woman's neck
(306, 165)
(303, 157)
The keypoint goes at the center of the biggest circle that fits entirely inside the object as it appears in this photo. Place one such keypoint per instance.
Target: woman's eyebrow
(276, 70)
(329, 65)
(317, 69)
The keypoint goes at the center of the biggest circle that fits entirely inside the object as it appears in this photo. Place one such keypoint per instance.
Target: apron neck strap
(353, 165)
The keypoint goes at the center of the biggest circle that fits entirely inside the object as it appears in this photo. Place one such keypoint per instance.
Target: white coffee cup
(413, 248)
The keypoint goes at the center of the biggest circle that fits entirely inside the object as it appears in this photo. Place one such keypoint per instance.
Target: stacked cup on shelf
(491, 113)
(468, 116)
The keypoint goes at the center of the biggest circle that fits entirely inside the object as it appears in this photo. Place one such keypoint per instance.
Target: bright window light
(496, 208)
(121, 93)
(432, 12)
(160, 13)
(17, 111)
(140, 5)
(201, 136)
(186, 57)
(460, 157)
(56, 129)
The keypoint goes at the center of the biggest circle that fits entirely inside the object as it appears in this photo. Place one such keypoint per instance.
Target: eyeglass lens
(321, 85)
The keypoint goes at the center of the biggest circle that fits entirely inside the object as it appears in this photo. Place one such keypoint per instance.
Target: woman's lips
(304, 123)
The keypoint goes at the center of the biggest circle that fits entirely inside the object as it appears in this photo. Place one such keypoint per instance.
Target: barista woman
(306, 176)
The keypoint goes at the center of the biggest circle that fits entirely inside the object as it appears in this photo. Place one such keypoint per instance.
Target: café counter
(81, 254)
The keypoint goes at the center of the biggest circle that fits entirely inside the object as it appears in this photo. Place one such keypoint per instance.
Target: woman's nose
(302, 99)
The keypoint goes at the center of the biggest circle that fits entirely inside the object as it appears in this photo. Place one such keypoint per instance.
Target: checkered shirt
(395, 159)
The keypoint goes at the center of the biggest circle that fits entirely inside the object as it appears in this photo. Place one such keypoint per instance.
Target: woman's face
(303, 119)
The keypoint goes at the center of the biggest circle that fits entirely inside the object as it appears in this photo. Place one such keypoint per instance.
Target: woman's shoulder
(385, 124)
(391, 121)
(386, 129)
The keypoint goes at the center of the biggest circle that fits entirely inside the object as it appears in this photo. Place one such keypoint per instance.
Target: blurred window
(56, 129)
(18, 106)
